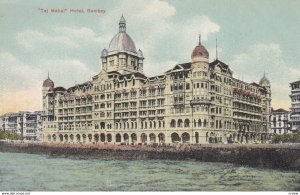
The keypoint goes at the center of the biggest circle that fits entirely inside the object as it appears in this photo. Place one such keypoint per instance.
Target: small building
(295, 110)
(280, 121)
(1, 123)
(27, 124)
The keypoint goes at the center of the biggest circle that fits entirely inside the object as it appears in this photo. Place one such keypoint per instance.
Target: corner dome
(104, 53)
(140, 54)
(200, 51)
(48, 83)
(264, 81)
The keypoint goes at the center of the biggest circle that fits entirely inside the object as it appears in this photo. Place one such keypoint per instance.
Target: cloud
(151, 24)
(65, 72)
(21, 84)
(164, 66)
(19, 87)
(15, 74)
(266, 57)
(21, 100)
(33, 40)
(199, 24)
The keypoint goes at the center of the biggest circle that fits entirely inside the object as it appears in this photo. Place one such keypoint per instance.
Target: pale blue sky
(253, 37)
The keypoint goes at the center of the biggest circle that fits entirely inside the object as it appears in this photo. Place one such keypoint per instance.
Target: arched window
(102, 114)
(173, 123)
(96, 137)
(199, 123)
(118, 138)
(144, 138)
(102, 137)
(126, 138)
(185, 137)
(175, 138)
(186, 123)
(179, 123)
(102, 125)
(133, 138)
(102, 105)
(197, 137)
(161, 138)
(152, 138)
(109, 137)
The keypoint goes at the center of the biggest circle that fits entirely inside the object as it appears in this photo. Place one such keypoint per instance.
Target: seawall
(281, 156)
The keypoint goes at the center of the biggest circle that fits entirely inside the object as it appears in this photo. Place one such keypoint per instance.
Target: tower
(200, 88)
(200, 73)
(264, 82)
(121, 54)
(48, 105)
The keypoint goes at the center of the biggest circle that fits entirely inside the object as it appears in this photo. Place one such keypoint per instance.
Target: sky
(254, 36)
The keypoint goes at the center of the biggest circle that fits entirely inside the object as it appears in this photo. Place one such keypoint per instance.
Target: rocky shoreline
(279, 156)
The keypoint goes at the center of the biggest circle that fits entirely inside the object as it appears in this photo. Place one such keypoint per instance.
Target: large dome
(48, 83)
(122, 42)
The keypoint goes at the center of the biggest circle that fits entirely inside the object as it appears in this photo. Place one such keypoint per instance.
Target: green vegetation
(287, 138)
(6, 135)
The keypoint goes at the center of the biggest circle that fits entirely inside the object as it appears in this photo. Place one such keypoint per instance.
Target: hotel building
(194, 102)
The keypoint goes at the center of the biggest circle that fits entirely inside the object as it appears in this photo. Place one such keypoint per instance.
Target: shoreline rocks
(273, 156)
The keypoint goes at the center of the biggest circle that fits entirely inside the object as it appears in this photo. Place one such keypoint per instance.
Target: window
(187, 86)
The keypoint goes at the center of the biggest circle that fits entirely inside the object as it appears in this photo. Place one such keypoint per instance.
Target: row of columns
(149, 138)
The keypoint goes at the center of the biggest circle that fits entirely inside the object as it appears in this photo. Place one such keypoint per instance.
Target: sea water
(31, 172)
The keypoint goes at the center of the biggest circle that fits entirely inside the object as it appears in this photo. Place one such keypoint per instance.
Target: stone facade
(194, 102)
(27, 124)
(295, 98)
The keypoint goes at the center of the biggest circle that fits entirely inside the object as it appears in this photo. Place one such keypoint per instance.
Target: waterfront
(22, 172)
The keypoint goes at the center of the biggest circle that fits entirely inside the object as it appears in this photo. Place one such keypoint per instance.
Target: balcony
(143, 116)
(118, 117)
(200, 101)
(161, 114)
